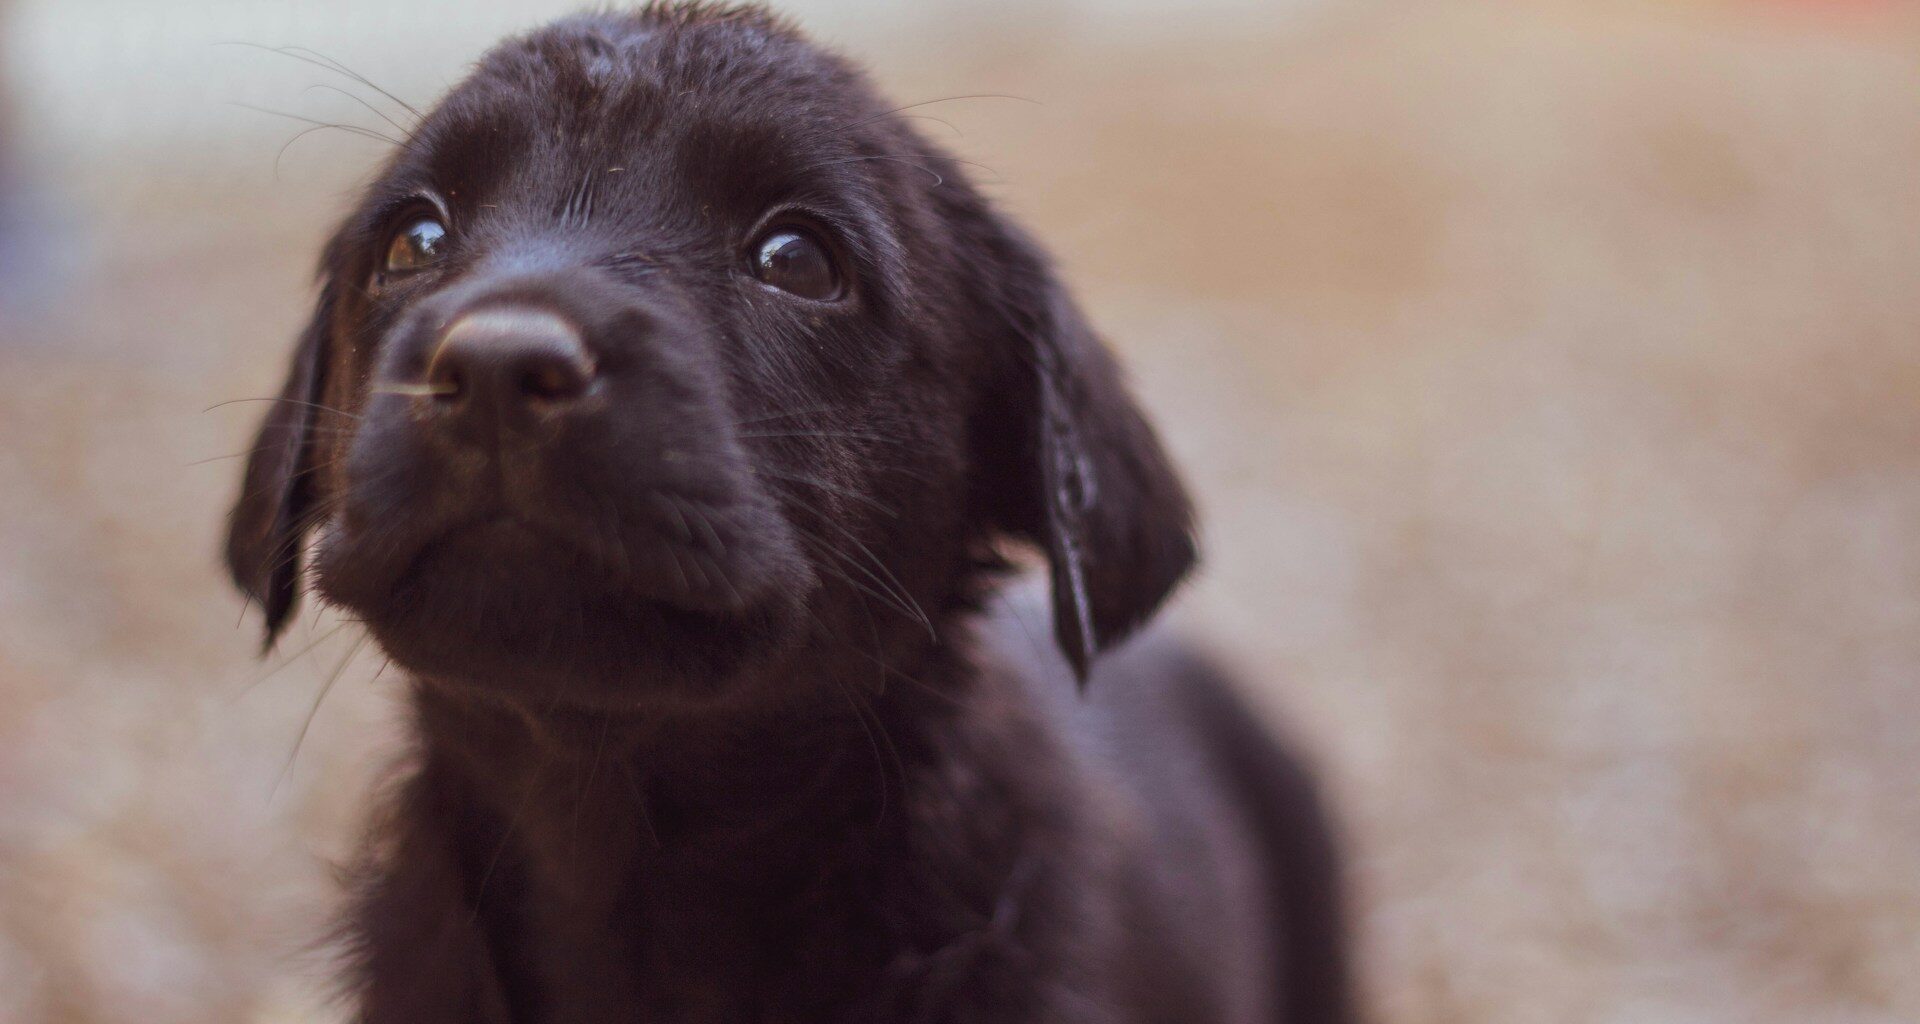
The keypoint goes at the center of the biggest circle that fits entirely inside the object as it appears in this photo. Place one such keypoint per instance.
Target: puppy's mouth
(567, 578)
(679, 556)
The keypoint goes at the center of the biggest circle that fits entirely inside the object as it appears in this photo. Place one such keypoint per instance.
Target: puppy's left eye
(416, 246)
(795, 259)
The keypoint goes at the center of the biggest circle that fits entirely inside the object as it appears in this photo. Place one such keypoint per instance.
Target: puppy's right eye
(415, 247)
(795, 260)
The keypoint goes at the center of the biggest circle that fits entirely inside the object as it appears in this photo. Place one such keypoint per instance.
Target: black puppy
(667, 410)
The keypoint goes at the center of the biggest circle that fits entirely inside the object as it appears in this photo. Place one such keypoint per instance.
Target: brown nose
(516, 362)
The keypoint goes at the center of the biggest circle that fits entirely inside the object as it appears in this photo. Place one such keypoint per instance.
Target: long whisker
(927, 103)
(829, 487)
(335, 64)
(295, 656)
(954, 128)
(289, 401)
(586, 788)
(415, 390)
(893, 598)
(336, 432)
(308, 55)
(318, 124)
(839, 574)
(640, 802)
(880, 565)
(304, 471)
(506, 838)
(784, 415)
(938, 178)
(856, 435)
(880, 663)
(860, 714)
(376, 111)
(307, 723)
(281, 154)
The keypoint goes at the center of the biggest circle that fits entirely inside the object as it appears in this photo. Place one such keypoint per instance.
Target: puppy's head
(661, 351)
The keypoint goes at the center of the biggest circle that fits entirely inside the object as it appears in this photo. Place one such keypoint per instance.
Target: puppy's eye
(794, 259)
(416, 246)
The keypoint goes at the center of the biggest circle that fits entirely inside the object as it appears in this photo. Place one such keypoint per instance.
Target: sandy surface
(1551, 382)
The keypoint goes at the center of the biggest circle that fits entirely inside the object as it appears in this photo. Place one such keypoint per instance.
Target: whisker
(289, 401)
(376, 111)
(880, 764)
(319, 124)
(295, 656)
(898, 600)
(335, 64)
(281, 153)
(898, 587)
(289, 550)
(640, 802)
(927, 688)
(880, 663)
(829, 487)
(856, 435)
(255, 451)
(841, 575)
(586, 788)
(938, 178)
(784, 415)
(307, 723)
(413, 389)
(927, 103)
(308, 55)
(301, 472)
(506, 838)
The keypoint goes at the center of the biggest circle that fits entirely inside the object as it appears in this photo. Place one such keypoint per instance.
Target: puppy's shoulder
(1155, 683)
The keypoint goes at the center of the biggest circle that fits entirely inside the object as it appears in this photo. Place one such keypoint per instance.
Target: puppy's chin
(509, 609)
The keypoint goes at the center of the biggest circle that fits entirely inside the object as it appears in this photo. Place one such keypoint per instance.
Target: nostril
(553, 378)
(447, 384)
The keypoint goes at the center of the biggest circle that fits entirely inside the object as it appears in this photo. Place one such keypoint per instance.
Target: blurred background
(1550, 374)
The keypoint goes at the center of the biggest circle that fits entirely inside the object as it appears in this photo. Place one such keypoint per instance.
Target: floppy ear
(1090, 483)
(266, 530)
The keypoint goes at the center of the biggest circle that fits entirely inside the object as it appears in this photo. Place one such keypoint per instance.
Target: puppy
(669, 410)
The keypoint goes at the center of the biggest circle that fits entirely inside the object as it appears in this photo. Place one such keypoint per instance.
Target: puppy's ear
(266, 530)
(1081, 472)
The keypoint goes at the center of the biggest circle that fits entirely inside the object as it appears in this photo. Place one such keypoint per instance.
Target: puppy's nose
(516, 362)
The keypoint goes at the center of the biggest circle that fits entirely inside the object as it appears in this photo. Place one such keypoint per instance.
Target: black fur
(709, 728)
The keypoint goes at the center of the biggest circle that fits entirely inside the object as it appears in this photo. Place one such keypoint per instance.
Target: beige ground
(1553, 383)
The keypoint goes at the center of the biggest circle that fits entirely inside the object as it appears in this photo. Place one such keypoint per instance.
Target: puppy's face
(661, 353)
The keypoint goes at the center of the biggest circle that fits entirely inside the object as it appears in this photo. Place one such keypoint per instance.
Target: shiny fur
(711, 724)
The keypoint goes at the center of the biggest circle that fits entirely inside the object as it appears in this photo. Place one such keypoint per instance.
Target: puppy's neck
(584, 799)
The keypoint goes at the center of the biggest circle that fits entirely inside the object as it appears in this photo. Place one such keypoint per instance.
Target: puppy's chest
(864, 944)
